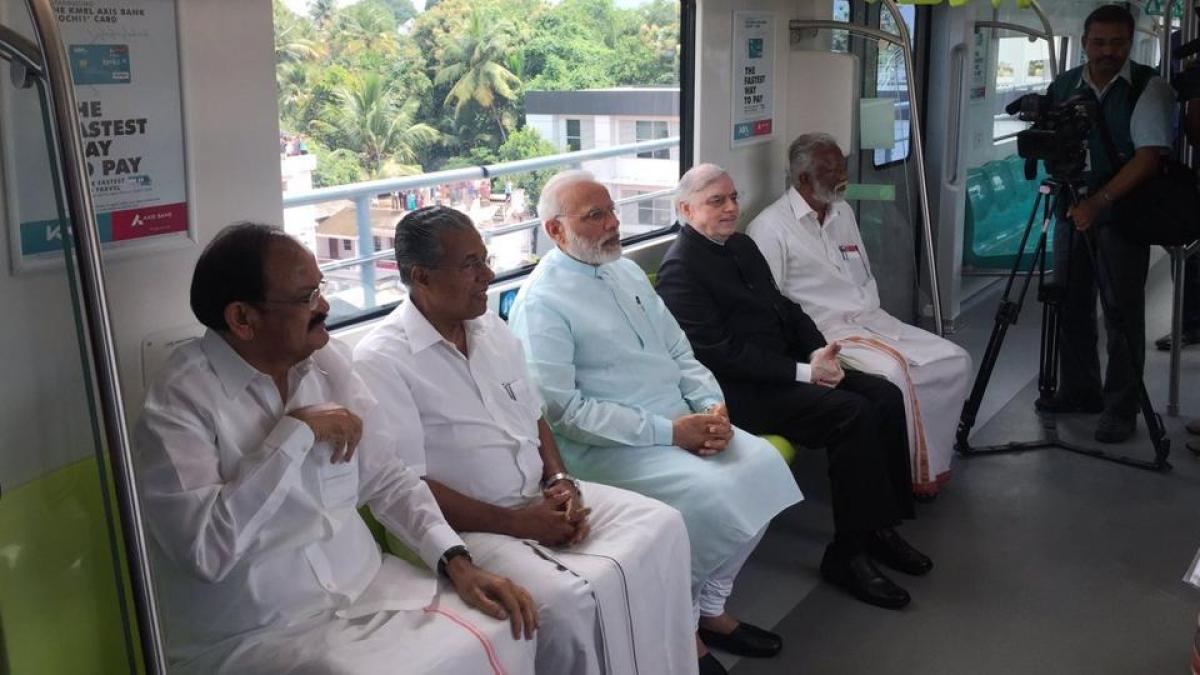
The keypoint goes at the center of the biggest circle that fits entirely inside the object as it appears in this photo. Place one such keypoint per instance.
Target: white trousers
(717, 587)
(934, 378)
(617, 603)
(448, 637)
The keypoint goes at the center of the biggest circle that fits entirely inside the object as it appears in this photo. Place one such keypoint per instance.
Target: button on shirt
(478, 413)
(252, 527)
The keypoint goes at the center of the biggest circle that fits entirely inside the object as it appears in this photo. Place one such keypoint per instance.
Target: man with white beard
(811, 241)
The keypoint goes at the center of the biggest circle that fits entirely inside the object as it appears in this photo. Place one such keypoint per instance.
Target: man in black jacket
(780, 377)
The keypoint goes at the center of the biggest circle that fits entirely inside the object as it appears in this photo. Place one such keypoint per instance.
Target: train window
(891, 81)
(380, 91)
(841, 38)
(1022, 66)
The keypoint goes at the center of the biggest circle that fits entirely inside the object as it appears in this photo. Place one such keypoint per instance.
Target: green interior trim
(58, 602)
(870, 192)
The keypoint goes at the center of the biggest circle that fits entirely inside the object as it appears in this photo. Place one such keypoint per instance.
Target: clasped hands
(558, 519)
(826, 369)
(703, 434)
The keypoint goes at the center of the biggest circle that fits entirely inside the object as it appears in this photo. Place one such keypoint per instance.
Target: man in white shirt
(811, 241)
(257, 445)
(607, 567)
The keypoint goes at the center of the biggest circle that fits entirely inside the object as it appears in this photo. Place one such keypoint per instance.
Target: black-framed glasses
(474, 266)
(593, 217)
(311, 301)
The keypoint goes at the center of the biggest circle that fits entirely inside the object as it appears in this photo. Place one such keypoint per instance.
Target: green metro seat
(59, 608)
(783, 445)
(388, 542)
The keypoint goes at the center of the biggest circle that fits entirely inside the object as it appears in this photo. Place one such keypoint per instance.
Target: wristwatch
(450, 554)
(561, 475)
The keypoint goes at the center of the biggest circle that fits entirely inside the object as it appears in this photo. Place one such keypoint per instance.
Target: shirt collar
(560, 259)
(421, 334)
(701, 238)
(1126, 73)
(802, 209)
(234, 373)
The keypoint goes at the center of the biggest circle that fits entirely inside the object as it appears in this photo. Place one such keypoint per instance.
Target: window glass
(396, 90)
(891, 81)
(1022, 67)
(652, 131)
(574, 136)
(841, 38)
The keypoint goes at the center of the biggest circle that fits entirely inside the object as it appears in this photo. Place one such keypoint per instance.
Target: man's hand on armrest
(494, 595)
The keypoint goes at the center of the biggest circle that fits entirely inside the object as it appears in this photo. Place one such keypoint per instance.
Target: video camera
(1058, 137)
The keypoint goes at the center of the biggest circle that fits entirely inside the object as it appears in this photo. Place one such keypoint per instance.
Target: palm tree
(368, 120)
(368, 28)
(322, 11)
(292, 43)
(476, 68)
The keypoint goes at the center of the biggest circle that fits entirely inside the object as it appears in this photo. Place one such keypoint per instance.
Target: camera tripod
(1050, 193)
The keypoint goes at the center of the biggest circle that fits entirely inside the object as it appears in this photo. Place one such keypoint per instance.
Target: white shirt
(825, 267)
(479, 413)
(252, 528)
(1150, 122)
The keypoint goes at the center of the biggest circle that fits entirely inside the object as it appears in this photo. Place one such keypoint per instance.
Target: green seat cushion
(783, 445)
(388, 542)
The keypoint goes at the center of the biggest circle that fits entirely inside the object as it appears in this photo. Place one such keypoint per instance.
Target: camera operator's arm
(1150, 128)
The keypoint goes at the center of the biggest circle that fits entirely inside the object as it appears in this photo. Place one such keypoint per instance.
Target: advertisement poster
(125, 65)
(753, 77)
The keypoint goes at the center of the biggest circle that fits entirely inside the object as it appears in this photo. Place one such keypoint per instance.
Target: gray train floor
(1046, 561)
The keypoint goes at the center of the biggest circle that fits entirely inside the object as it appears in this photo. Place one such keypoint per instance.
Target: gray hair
(800, 154)
(419, 237)
(696, 179)
(550, 202)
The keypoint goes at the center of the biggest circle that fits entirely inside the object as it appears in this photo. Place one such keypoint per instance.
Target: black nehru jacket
(740, 325)
(751, 337)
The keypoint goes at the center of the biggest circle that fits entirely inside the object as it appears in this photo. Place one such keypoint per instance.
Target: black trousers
(862, 426)
(1123, 269)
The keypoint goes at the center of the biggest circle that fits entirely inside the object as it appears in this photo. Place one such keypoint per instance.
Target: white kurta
(825, 269)
(261, 561)
(619, 602)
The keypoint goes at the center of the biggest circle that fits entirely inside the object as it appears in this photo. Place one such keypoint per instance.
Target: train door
(64, 598)
(873, 121)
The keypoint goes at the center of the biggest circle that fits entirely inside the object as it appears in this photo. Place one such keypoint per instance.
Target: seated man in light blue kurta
(631, 406)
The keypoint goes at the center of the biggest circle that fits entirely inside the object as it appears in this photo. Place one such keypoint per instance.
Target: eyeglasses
(718, 201)
(311, 300)
(593, 217)
(474, 266)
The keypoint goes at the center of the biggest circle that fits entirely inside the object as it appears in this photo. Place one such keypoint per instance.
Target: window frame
(577, 137)
(919, 46)
(688, 15)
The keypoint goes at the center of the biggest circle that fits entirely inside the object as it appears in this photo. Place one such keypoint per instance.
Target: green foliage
(398, 91)
(335, 167)
(526, 144)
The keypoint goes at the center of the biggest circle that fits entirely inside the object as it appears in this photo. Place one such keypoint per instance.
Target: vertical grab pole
(1176, 252)
(105, 378)
(919, 145)
(1056, 67)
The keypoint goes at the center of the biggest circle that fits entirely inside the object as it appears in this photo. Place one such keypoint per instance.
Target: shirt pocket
(338, 483)
(855, 264)
(516, 406)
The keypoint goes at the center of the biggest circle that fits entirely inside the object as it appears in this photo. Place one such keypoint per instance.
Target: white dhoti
(447, 637)
(619, 602)
(934, 375)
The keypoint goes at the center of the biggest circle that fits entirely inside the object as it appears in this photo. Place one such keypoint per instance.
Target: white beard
(590, 252)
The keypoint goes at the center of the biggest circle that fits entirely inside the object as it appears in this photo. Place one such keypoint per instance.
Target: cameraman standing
(1137, 106)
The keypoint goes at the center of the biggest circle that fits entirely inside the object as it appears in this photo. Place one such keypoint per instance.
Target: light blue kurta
(615, 369)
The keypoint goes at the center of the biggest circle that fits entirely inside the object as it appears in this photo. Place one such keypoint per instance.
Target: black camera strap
(1136, 87)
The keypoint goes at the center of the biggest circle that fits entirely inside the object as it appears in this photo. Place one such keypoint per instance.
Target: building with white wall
(602, 118)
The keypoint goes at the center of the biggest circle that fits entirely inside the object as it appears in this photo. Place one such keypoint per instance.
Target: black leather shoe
(709, 665)
(889, 548)
(745, 640)
(1061, 405)
(858, 575)
(1114, 428)
(1190, 337)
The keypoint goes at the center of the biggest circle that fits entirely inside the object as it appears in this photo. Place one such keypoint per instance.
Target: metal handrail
(904, 42)
(374, 187)
(104, 377)
(487, 234)
(361, 194)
